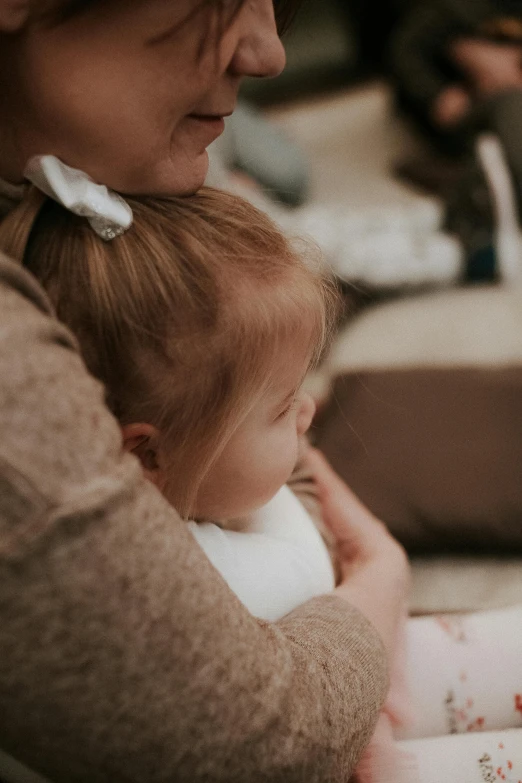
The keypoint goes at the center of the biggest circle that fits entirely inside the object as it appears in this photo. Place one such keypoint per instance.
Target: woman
(123, 655)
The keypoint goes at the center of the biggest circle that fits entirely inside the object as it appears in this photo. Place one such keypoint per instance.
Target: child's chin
(232, 517)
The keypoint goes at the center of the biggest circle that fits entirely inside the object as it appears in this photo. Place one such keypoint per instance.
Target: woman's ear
(142, 440)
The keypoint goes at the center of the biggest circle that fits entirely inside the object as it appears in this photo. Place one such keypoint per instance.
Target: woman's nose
(259, 51)
(305, 414)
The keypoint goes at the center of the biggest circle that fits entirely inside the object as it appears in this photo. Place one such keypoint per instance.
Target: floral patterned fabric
(465, 673)
(491, 757)
(465, 690)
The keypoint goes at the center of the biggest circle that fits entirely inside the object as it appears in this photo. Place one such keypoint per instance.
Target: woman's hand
(374, 566)
(359, 534)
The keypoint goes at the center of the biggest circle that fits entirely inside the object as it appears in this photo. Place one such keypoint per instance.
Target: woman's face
(134, 92)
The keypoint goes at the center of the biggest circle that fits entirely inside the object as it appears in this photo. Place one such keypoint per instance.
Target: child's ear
(142, 440)
(14, 14)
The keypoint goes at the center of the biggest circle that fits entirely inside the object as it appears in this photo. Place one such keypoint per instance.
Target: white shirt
(276, 563)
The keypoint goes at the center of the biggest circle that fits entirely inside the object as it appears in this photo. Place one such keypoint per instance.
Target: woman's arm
(123, 654)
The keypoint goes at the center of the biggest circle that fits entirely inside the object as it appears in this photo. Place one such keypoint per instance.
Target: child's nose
(306, 413)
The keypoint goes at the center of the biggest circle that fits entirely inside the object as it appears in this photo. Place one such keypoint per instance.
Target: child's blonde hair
(183, 317)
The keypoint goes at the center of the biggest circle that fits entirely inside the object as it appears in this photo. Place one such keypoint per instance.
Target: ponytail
(16, 228)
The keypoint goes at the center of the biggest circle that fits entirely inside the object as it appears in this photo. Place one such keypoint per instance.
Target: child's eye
(287, 410)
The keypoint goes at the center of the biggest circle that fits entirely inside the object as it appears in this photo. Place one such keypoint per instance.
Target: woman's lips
(210, 125)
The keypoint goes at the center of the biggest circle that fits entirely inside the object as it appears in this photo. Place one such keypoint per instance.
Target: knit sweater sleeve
(124, 656)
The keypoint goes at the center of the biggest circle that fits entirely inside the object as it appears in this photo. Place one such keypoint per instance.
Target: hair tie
(107, 212)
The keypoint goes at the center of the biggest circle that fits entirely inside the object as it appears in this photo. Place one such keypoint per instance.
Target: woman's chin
(185, 177)
(181, 177)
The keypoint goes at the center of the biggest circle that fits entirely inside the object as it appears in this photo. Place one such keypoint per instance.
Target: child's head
(201, 320)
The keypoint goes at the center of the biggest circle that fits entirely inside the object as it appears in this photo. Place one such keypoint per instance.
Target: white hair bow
(107, 212)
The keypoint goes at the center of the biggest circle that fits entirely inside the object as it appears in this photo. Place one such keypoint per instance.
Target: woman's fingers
(357, 531)
(375, 569)
(332, 489)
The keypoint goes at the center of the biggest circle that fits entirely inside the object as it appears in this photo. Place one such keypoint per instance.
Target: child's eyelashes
(290, 407)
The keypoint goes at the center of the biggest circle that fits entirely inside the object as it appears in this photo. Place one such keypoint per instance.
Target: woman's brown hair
(183, 317)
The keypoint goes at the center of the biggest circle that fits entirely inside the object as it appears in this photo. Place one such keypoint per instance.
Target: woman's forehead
(71, 7)
(174, 14)
(63, 9)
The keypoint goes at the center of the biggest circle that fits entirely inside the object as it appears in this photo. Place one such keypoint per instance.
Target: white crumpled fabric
(107, 212)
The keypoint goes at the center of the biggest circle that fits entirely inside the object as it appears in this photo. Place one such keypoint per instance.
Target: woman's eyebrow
(160, 38)
(217, 13)
(164, 36)
(178, 26)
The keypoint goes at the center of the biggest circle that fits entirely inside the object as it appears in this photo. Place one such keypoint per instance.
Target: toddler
(202, 321)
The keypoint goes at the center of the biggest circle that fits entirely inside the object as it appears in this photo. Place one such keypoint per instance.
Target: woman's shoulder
(58, 438)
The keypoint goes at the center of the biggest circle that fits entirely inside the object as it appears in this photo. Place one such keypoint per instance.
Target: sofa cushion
(424, 419)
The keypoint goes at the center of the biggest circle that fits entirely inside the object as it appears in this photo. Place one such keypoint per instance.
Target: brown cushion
(434, 452)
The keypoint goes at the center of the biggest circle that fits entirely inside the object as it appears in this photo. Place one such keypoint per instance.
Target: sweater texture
(124, 656)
